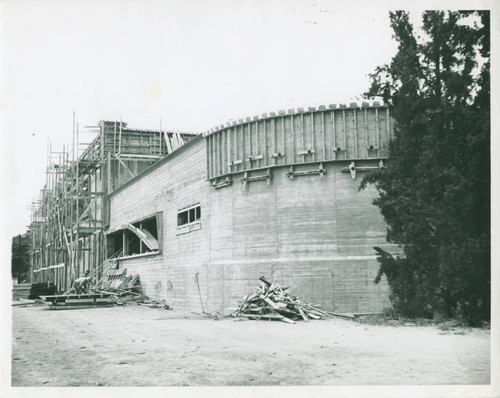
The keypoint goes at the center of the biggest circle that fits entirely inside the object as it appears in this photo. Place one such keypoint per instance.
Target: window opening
(137, 238)
(189, 216)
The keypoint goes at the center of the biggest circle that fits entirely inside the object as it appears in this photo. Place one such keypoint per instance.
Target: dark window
(135, 239)
(188, 216)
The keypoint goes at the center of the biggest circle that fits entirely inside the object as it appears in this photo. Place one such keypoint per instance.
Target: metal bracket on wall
(291, 174)
(255, 157)
(223, 183)
(306, 152)
(247, 178)
(235, 163)
(353, 169)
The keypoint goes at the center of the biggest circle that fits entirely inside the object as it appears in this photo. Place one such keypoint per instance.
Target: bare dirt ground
(140, 346)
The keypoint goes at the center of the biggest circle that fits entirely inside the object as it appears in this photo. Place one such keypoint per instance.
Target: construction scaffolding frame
(71, 213)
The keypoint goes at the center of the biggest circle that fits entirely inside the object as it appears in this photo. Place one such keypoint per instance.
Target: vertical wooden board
(239, 147)
(308, 136)
(235, 146)
(329, 134)
(361, 125)
(298, 137)
(250, 146)
(268, 143)
(316, 136)
(340, 137)
(320, 123)
(350, 133)
(215, 149)
(282, 140)
(261, 144)
(244, 147)
(371, 122)
(221, 152)
(289, 142)
(211, 155)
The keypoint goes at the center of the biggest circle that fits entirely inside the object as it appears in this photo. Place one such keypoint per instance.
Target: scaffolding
(71, 213)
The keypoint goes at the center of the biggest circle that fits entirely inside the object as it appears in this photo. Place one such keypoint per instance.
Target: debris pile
(119, 283)
(272, 302)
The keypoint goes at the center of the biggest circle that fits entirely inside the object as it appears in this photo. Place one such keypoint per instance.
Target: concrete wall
(313, 233)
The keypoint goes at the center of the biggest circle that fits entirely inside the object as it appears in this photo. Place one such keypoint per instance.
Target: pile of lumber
(21, 291)
(119, 283)
(41, 289)
(272, 302)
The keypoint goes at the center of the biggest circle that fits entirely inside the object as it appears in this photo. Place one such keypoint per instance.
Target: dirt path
(138, 346)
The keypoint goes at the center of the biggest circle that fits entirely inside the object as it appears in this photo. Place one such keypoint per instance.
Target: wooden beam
(355, 133)
(125, 167)
(313, 139)
(323, 134)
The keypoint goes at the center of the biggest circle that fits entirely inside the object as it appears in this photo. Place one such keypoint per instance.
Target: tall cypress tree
(435, 189)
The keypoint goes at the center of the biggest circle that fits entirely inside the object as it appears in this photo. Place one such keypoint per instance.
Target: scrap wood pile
(117, 282)
(272, 302)
(126, 284)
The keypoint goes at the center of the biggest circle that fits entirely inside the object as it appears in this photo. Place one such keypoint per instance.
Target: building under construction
(71, 214)
(200, 217)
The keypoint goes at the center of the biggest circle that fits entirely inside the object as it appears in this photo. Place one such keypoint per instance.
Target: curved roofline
(295, 111)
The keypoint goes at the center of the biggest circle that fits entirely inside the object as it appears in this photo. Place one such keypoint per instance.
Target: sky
(190, 64)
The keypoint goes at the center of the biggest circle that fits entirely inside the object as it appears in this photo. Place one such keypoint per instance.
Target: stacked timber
(21, 291)
(42, 289)
(272, 302)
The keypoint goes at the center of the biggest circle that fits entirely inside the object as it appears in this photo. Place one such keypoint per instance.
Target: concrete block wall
(313, 233)
(176, 182)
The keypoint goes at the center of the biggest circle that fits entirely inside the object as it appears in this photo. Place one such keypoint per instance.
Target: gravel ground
(140, 346)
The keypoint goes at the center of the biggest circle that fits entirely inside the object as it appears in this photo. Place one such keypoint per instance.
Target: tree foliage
(20, 256)
(434, 192)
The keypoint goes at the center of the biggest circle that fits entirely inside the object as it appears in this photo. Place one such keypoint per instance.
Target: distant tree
(20, 256)
(434, 192)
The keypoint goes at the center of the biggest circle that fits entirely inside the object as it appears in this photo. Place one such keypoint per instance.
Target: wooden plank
(302, 133)
(250, 146)
(216, 153)
(257, 133)
(377, 129)
(366, 132)
(345, 131)
(312, 315)
(323, 134)
(273, 132)
(313, 138)
(303, 314)
(283, 136)
(266, 152)
(355, 119)
(207, 152)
